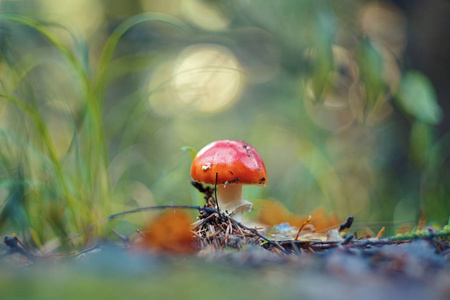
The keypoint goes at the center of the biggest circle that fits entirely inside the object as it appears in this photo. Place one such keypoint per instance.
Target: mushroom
(236, 163)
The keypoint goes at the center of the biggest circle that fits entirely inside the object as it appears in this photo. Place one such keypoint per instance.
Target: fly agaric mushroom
(236, 163)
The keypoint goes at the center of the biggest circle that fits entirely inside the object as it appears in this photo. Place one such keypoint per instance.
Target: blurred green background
(344, 100)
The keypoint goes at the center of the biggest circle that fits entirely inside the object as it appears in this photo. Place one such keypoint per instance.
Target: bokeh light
(75, 13)
(385, 25)
(207, 77)
(205, 14)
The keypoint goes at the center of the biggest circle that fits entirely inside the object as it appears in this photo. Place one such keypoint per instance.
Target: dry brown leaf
(169, 232)
(273, 213)
(380, 233)
(404, 228)
(422, 221)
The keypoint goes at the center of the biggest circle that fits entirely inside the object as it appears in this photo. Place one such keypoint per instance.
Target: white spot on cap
(206, 166)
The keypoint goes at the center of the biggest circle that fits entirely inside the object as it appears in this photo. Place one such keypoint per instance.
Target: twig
(227, 232)
(296, 249)
(348, 222)
(141, 209)
(86, 251)
(196, 233)
(15, 246)
(125, 239)
(215, 192)
(347, 239)
(201, 222)
(259, 235)
(303, 225)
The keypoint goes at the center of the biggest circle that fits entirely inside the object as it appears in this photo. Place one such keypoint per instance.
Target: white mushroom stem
(230, 200)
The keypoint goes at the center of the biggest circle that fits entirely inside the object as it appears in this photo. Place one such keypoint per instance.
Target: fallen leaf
(333, 235)
(422, 221)
(380, 233)
(273, 212)
(169, 232)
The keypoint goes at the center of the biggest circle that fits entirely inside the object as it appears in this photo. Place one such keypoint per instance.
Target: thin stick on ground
(215, 193)
(160, 207)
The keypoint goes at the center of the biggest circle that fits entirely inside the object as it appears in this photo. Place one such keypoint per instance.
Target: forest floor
(233, 261)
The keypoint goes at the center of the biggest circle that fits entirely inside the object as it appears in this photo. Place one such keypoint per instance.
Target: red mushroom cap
(235, 162)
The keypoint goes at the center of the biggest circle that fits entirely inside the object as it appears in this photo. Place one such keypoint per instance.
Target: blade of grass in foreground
(87, 197)
(42, 129)
(100, 80)
(97, 193)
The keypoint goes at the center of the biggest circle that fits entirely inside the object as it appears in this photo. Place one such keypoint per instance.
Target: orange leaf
(422, 221)
(170, 232)
(273, 213)
(380, 233)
